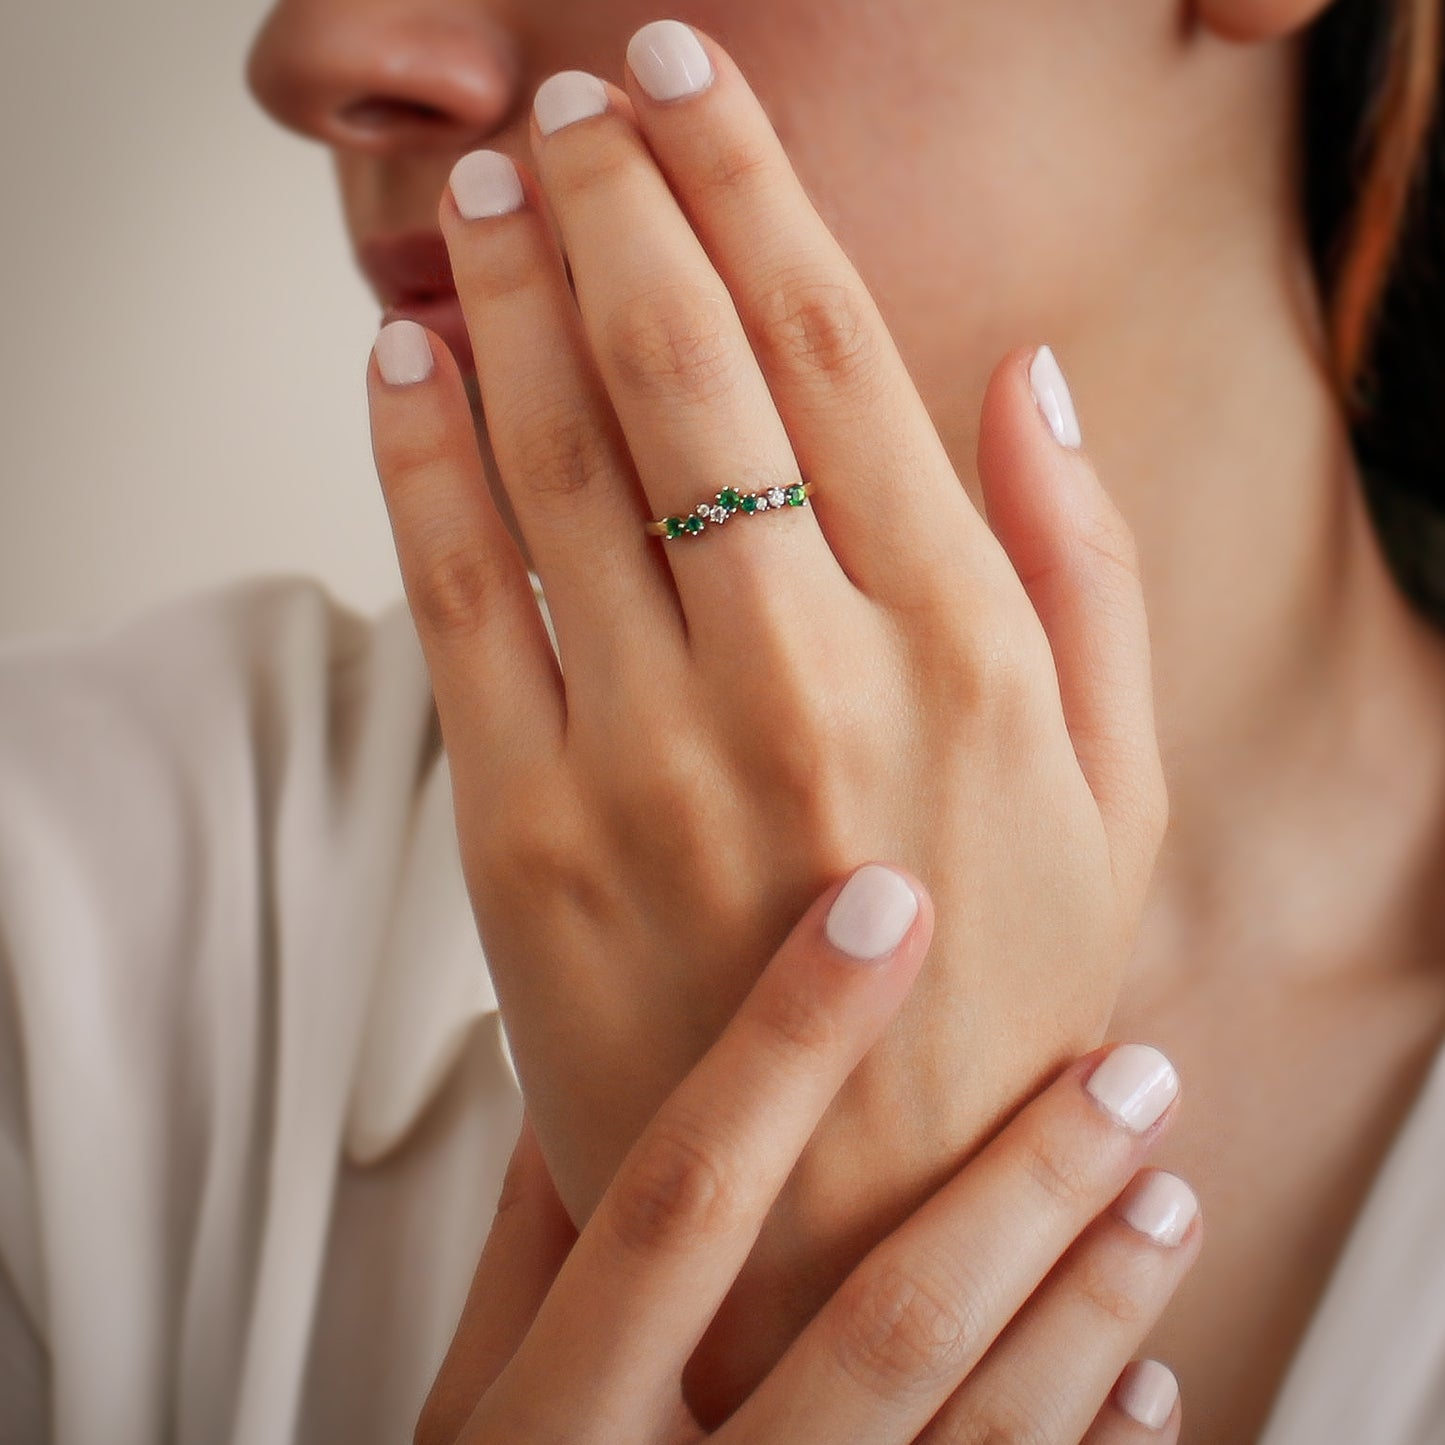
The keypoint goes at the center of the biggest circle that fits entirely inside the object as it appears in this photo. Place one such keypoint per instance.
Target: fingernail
(1135, 1084)
(668, 60)
(873, 913)
(1162, 1206)
(1051, 392)
(403, 353)
(1147, 1393)
(568, 96)
(486, 183)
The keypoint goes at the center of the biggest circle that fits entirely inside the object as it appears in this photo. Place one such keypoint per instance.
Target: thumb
(530, 1237)
(1076, 558)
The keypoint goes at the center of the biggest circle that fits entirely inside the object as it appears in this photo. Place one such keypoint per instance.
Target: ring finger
(693, 403)
(1143, 1408)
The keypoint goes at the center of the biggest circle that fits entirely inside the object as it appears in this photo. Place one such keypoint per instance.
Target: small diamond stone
(702, 509)
(694, 524)
(796, 496)
(776, 496)
(762, 504)
(719, 515)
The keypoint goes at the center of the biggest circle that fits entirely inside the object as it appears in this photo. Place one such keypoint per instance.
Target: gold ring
(728, 503)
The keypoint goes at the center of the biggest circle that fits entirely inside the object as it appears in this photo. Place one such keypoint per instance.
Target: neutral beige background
(184, 336)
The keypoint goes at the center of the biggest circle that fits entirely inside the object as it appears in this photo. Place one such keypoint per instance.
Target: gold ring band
(729, 503)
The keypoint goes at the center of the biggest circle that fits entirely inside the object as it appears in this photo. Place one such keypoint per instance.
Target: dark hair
(1374, 181)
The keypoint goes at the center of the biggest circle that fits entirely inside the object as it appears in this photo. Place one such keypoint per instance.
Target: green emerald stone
(749, 504)
(674, 527)
(694, 525)
(796, 496)
(729, 499)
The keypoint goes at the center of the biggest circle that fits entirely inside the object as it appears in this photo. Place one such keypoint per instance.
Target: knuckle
(535, 852)
(1064, 1175)
(596, 164)
(411, 461)
(794, 754)
(820, 743)
(899, 1335)
(451, 589)
(992, 673)
(1112, 539)
(675, 1193)
(509, 265)
(1119, 1288)
(822, 329)
(793, 1021)
(562, 454)
(816, 787)
(738, 167)
(672, 811)
(1003, 1423)
(996, 667)
(673, 343)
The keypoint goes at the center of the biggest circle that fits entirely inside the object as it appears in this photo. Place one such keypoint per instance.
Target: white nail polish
(1135, 1084)
(403, 353)
(568, 96)
(668, 60)
(1147, 1393)
(873, 913)
(486, 183)
(1051, 392)
(1162, 1206)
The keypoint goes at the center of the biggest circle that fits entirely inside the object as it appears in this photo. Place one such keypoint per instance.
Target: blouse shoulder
(185, 680)
(205, 809)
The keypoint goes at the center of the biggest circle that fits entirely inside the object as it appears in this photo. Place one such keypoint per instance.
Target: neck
(1301, 702)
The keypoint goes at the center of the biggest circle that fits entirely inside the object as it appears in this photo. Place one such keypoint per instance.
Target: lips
(411, 274)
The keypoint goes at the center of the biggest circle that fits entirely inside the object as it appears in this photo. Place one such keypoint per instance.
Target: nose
(380, 75)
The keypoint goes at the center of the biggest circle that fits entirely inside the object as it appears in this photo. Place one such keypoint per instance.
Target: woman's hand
(743, 716)
(585, 1339)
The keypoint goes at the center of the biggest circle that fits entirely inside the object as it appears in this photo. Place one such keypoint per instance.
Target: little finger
(530, 1237)
(493, 671)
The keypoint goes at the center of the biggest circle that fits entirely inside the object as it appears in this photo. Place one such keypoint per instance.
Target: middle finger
(692, 401)
(1051, 1373)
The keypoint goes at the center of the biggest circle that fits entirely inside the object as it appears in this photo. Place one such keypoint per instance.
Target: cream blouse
(255, 1103)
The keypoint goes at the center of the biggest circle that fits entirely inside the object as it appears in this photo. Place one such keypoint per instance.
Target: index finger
(680, 1217)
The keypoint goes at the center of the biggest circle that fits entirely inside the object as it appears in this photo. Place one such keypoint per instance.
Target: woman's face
(1000, 171)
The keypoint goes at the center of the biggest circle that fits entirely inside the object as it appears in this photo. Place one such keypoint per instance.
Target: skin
(637, 828)
(608, 1317)
(1291, 923)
